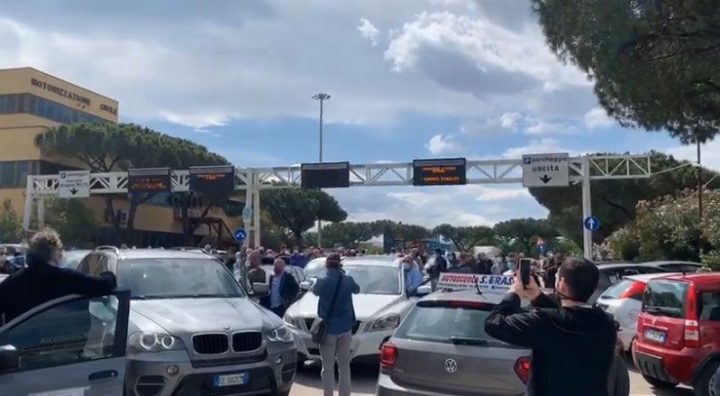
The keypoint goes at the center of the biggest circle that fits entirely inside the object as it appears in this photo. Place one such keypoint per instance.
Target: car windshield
(71, 258)
(446, 325)
(177, 278)
(372, 279)
(665, 298)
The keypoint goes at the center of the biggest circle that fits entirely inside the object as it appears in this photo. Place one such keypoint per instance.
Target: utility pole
(700, 197)
(322, 97)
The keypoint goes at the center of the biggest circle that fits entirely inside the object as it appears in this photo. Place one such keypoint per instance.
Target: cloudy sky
(408, 78)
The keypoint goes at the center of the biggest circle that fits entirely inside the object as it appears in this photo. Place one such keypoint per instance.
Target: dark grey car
(441, 348)
(192, 329)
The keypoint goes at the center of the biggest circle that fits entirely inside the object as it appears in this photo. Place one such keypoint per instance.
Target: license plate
(655, 335)
(231, 380)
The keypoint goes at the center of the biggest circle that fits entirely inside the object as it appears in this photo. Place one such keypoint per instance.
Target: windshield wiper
(468, 341)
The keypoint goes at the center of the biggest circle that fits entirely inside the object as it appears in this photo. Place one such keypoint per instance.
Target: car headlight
(155, 342)
(281, 334)
(289, 321)
(387, 322)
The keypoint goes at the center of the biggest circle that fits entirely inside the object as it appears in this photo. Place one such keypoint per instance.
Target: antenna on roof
(477, 287)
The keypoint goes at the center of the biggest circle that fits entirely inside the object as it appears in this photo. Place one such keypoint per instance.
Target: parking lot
(307, 383)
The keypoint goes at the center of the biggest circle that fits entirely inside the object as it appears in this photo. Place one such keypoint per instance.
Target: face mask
(511, 266)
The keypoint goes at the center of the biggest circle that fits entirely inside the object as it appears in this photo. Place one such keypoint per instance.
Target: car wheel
(619, 380)
(659, 384)
(705, 385)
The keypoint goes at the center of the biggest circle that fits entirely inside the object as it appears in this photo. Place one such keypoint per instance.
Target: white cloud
(487, 194)
(510, 119)
(369, 31)
(197, 121)
(544, 145)
(598, 118)
(710, 154)
(541, 127)
(440, 144)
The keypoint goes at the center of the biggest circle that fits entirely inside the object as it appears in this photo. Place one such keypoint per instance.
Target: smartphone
(525, 266)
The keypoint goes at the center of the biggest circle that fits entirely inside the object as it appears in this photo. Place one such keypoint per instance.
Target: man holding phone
(572, 342)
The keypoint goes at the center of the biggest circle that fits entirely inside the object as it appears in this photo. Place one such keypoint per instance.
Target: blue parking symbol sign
(591, 223)
(239, 234)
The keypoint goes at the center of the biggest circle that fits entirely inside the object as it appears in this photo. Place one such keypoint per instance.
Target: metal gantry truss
(583, 169)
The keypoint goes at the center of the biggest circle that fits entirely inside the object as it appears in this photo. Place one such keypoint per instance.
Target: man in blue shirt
(413, 276)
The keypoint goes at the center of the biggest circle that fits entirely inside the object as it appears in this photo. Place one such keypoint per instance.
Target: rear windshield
(446, 325)
(665, 298)
(616, 290)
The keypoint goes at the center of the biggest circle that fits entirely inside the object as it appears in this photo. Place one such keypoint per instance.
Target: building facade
(32, 102)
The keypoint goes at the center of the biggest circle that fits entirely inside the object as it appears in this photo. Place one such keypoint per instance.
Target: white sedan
(379, 307)
(624, 301)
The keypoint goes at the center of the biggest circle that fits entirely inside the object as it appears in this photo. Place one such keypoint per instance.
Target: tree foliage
(10, 227)
(465, 238)
(521, 234)
(106, 147)
(653, 63)
(614, 201)
(348, 234)
(72, 220)
(294, 210)
(668, 228)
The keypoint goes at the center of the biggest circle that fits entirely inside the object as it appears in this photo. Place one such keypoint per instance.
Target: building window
(31, 104)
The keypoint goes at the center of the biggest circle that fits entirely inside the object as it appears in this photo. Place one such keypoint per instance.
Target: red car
(678, 332)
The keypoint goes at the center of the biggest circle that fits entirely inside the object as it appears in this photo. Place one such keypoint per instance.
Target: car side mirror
(424, 290)
(305, 285)
(261, 289)
(9, 358)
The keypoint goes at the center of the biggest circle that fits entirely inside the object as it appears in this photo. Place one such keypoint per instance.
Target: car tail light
(388, 355)
(692, 327)
(635, 290)
(692, 334)
(522, 369)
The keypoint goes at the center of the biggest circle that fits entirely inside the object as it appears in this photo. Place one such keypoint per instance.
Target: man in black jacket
(43, 280)
(572, 343)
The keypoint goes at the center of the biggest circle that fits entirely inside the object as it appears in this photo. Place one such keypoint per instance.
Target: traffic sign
(591, 223)
(325, 175)
(212, 179)
(439, 172)
(149, 180)
(247, 214)
(239, 235)
(74, 184)
(546, 170)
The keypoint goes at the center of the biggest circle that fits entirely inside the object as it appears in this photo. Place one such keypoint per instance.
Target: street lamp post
(322, 97)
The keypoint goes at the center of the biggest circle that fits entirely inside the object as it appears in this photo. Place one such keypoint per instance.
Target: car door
(72, 346)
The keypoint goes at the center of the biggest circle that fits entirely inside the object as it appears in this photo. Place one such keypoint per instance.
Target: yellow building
(32, 102)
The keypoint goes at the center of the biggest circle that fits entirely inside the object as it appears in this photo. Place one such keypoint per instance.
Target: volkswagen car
(379, 307)
(192, 329)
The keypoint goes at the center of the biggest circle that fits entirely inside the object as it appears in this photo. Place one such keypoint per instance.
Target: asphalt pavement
(307, 383)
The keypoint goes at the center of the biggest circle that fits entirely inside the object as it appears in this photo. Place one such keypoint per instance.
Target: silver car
(192, 329)
(441, 348)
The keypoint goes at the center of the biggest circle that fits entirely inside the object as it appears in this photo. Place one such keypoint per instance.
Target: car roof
(129, 254)
(603, 267)
(466, 295)
(699, 278)
(386, 261)
(647, 277)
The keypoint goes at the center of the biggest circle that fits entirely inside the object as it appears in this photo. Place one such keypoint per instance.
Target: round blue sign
(591, 223)
(239, 234)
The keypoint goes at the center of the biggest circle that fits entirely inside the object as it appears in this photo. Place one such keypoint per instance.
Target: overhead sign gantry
(424, 172)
